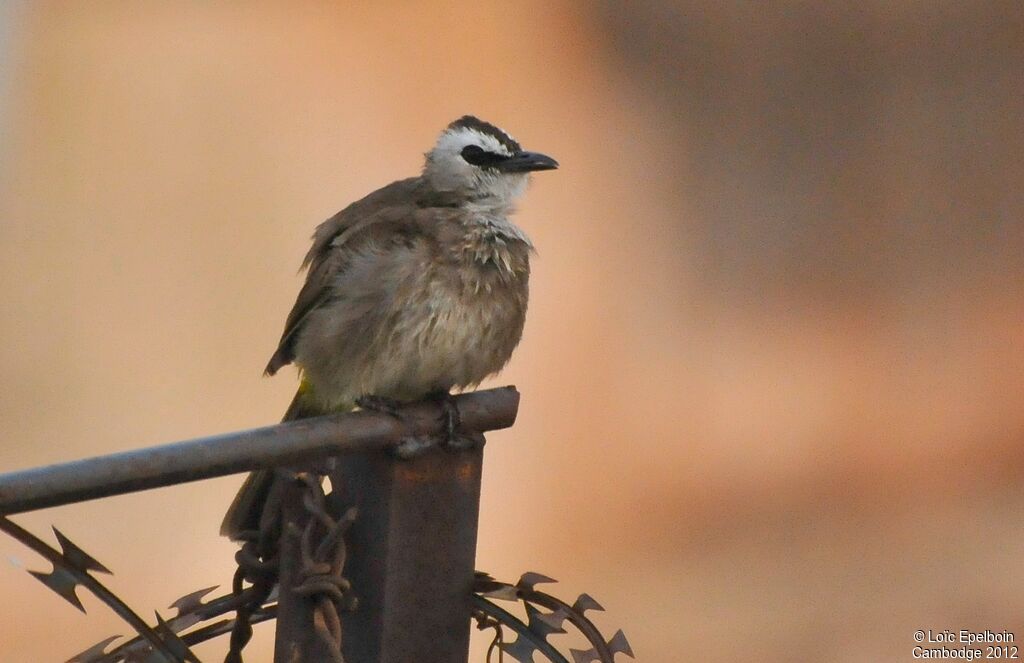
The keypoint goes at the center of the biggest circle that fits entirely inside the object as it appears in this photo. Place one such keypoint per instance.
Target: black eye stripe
(478, 156)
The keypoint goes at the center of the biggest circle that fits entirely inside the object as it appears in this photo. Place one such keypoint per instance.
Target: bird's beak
(525, 162)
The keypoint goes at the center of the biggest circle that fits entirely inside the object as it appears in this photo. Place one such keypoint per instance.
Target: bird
(419, 288)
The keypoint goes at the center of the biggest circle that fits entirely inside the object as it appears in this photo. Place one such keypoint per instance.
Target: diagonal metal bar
(98, 589)
(190, 613)
(220, 455)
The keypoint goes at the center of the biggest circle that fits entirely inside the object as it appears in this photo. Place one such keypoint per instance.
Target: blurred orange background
(773, 371)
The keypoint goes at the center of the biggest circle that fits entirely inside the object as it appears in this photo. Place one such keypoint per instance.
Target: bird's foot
(453, 438)
(450, 416)
(388, 406)
(408, 447)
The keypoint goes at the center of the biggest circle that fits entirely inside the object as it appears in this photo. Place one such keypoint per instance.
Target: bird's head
(479, 160)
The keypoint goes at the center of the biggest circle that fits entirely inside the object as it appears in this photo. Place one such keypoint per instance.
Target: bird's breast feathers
(420, 317)
(494, 250)
(470, 314)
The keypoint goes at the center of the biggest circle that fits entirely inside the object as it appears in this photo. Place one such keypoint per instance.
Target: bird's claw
(454, 439)
(451, 437)
(449, 415)
(388, 406)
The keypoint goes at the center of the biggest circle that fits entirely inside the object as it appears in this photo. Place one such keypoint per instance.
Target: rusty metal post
(412, 552)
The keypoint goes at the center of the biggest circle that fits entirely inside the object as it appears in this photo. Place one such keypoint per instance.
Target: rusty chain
(323, 552)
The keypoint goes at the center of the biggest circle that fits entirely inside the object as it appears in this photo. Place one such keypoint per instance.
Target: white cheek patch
(449, 171)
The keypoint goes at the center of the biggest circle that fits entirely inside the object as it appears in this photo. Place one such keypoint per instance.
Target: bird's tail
(244, 513)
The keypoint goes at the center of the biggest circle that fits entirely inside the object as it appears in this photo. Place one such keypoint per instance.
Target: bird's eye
(478, 156)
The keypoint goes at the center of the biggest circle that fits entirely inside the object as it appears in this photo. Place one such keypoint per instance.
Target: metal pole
(411, 560)
(204, 458)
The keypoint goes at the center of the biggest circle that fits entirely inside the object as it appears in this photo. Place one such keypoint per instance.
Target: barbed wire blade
(191, 601)
(485, 585)
(63, 583)
(94, 653)
(586, 602)
(544, 624)
(77, 557)
(186, 621)
(585, 655)
(529, 579)
(503, 593)
(175, 644)
(521, 649)
(619, 644)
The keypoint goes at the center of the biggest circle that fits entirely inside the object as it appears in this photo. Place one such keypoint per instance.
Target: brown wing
(387, 210)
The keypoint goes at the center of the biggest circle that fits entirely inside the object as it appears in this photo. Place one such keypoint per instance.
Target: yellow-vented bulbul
(417, 289)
